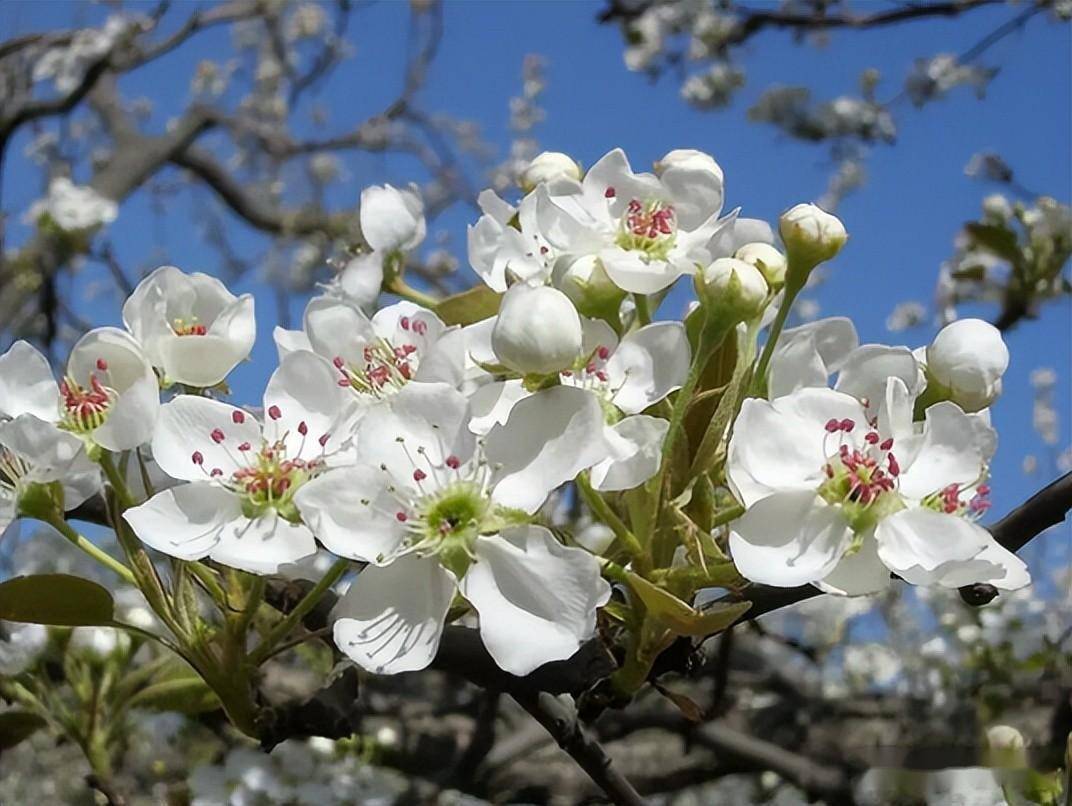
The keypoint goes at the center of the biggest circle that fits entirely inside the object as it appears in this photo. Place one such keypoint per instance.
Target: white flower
(500, 252)
(361, 279)
(830, 502)
(20, 646)
(97, 643)
(392, 219)
(191, 327)
(770, 262)
(627, 377)
(811, 235)
(967, 359)
(376, 357)
(73, 208)
(647, 231)
(537, 330)
(733, 285)
(109, 395)
(238, 507)
(547, 167)
(436, 511)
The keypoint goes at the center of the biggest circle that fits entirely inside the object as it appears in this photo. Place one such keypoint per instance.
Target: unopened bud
(731, 286)
(1006, 747)
(538, 331)
(689, 159)
(965, 363)
(547, 167)
(811, 236)
(593, 293)
(770, 262)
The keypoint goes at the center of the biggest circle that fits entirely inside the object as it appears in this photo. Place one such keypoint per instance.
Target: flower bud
(548, 166)
(965, 363)
(1005, 747)
(770, 262)
(811, 235)
(690, 159)
(731, 285)
(593, 293)
(538, 331)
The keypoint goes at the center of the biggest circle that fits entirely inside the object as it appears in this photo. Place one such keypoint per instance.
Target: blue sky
(901, 224)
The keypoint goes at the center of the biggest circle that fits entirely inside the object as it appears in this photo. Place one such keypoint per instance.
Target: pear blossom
(627, 376)
(436, 511)
(965, 363)
(73, 208)
(537, 330)
(34, 451)
(502, 253)
(770, 262)
(732, 284)
(842, 499)
(392, 223)
(190, 326)
(242, 475)
(811, 235)
(547, 167)
(109, 395)
(647, 230)
(375, 357)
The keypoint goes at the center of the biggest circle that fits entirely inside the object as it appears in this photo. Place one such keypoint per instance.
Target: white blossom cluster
(429, 451)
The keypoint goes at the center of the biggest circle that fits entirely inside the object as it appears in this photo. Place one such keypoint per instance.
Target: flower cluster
(427, 443)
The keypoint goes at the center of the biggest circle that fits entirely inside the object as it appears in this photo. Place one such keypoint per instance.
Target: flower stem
(94, 551)
(292, 619)
(401, 288)
(603, 510)
(792, 288)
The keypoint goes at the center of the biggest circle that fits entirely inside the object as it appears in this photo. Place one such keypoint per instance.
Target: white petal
(492, 403)
(866, 370)
(636, 444)
(422, 425)
(789, 539)
(290, 341)
(444, 360)
(186, 426)
(914, 543)
(649, 364)
(185, 521)
(206, 360)
(807, 355)
(632, 271)
(391, 618)
(697, 194)
(858, 574)
(994, 565)
(536, 598)
(304, 389)
(362, 278)
(548, 439)
(392, 218)
(946, 454)
(26, 384)
(352, 514)
(262, 545)
(338, 329)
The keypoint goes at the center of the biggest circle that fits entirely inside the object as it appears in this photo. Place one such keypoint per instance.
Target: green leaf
(999, 240)
(678, 616)
(474, 305)
(17, 726)
(56, 599)
(186, 695)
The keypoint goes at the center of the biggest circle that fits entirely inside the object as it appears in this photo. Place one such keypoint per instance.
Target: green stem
(792, 289)
(401, 288)
(727, 515)
(119, 485)
(94, 551)
(604, 512)
(643, 309)
(294, 617)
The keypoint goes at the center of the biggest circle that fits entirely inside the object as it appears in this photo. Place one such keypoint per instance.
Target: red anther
(217, 435)
(102, 365)
(338, 362)
(871, 438)
(216, 472)
(567, 374)
(401, 517)
(831, 426)
(453, 462)
(323, 440)
(245, 446)
(590, 367)
(274, 412)
(846, 425)
(601, 375)
(610, 193)
(983, 489)
(343, 382)
(544, 250)
(419, 475)
(829, 472)
(303, 429)
(887, 444)
(895, 468)
(603, 353)
(197, 458)
(405, 371)
(404, 323)
(420, 327)
(238, 417)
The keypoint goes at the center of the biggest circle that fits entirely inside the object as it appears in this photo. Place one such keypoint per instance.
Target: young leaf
(474, 305)
(56, 599)
(17, 726)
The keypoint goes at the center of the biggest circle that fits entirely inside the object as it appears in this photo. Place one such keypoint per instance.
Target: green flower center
(649, 227)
